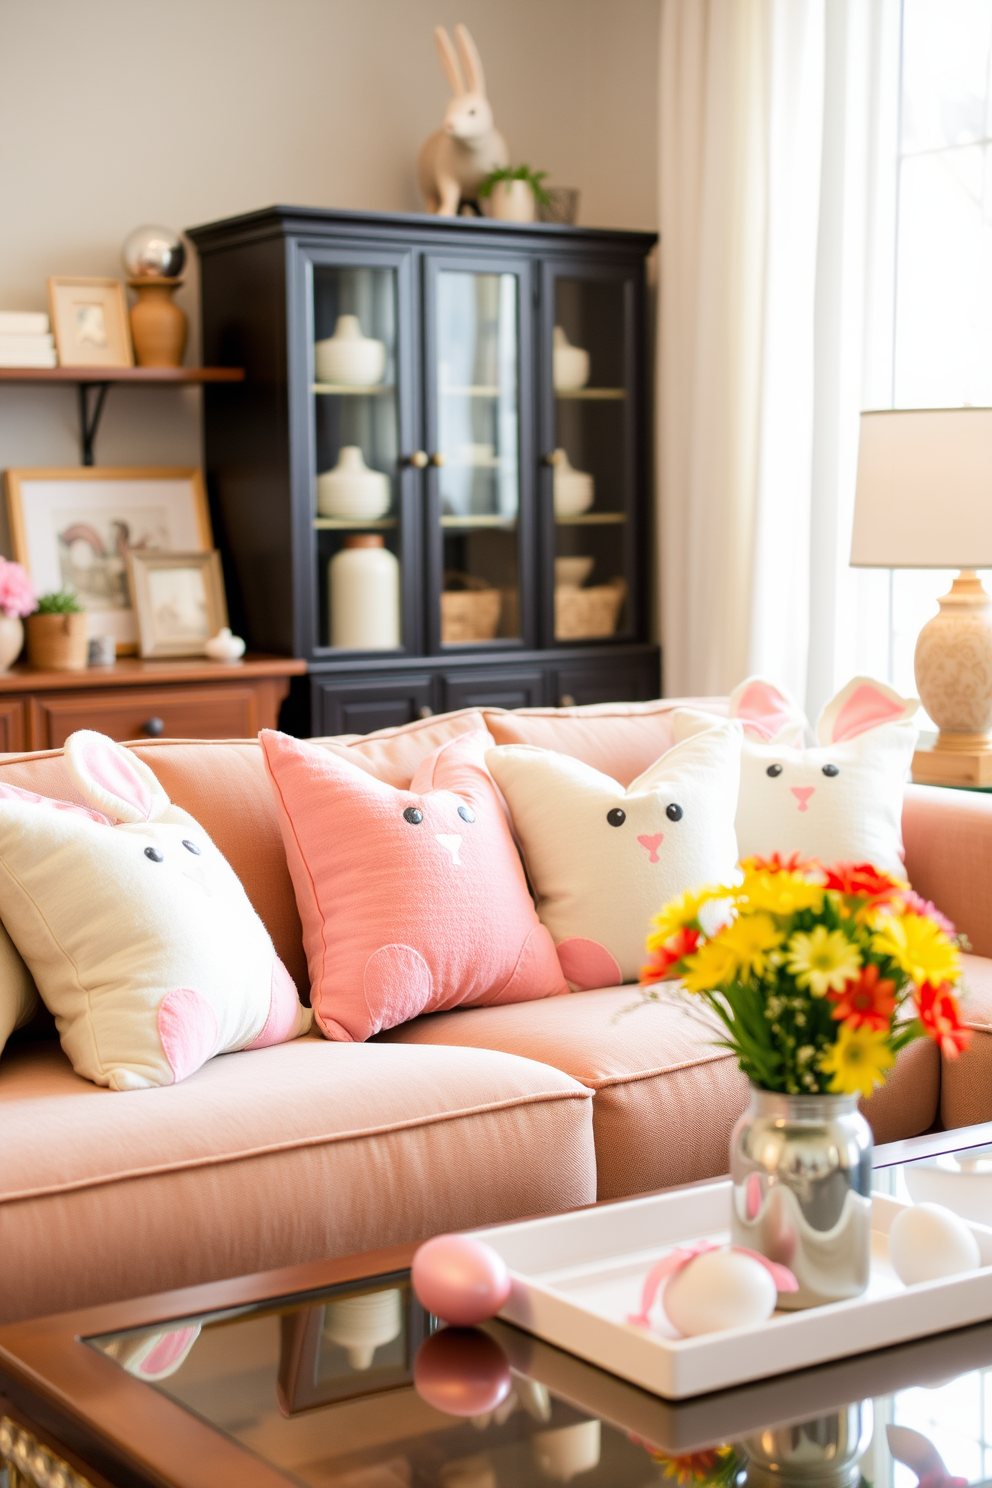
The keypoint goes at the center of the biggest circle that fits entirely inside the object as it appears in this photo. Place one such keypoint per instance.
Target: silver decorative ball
(153, 253)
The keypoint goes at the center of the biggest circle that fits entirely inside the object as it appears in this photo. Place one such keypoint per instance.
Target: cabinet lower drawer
(209, 712)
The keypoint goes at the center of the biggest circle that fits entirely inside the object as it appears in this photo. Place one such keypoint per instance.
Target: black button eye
(616, 817)
(831, 770)
(774, 771)
(413, 816)
(191, 847)
(154, 854)
(466, 813)
(674, 812)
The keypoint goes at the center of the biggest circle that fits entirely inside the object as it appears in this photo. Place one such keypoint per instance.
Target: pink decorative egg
(459, 1279)
(462, 1372)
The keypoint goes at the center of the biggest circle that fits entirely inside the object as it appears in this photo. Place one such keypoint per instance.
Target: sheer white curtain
(777, 126)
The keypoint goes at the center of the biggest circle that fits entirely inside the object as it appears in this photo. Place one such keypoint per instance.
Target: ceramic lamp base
(953, 668)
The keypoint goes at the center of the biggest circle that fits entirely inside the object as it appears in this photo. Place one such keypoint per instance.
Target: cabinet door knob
(438, 459)
(418, 459)
(566, 700)
(153, 727)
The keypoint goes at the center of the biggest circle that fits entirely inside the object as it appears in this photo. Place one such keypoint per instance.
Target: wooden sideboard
(189, 699)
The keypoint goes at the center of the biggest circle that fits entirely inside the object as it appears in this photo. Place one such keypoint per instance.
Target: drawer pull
(153, 727)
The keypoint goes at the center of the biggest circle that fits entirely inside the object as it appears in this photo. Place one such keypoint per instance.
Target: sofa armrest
(948, 839)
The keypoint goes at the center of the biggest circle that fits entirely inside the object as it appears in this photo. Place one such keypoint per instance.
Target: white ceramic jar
(364, 584)
(11, 640)
(574, 489)
(352, 490)
(570, 364)
(348, 358)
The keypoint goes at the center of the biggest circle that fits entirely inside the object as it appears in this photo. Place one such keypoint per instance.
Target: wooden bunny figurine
(456, 159)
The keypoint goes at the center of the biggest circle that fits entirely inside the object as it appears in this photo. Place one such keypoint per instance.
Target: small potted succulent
(514, 192)
(17, 599)
(57, 635)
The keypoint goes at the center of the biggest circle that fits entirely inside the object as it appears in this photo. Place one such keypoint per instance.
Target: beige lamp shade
(924, 492)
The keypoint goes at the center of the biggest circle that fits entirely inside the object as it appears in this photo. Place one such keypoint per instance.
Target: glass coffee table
(307, 1376)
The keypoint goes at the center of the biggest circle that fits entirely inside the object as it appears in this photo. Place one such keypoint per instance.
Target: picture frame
(71, 528)
(90, 322)
(178, 600)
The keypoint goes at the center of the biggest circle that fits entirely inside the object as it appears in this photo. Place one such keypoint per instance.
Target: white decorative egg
(719, 1289)
(927, 1242)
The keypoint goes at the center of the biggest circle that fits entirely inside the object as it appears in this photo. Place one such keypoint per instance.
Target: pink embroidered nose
(652, 844)
(802, 794)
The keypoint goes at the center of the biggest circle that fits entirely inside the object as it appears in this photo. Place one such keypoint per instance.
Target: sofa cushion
(966, 1082)
(269, 1158)
(666, 1097)
(619, 739)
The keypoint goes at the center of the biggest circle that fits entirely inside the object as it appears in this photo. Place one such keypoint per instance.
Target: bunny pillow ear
(863, 704)
(112, 779)
(769, 714)
(449, 61)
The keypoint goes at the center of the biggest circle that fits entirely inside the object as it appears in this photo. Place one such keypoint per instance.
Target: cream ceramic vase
(574, 489)
(362, 1324)
(11, 640)
(512, 201)
(953, 665)
(349, 358)
(570, 364)
(364, 582)
(352, 490)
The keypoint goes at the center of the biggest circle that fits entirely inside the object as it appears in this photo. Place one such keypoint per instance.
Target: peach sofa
(312, 1149)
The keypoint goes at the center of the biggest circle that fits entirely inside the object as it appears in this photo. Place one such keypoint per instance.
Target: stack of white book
(25, 340)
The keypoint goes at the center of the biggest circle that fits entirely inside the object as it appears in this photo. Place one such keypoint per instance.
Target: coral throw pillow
(411, 901)
(603, 860)
(136, 929)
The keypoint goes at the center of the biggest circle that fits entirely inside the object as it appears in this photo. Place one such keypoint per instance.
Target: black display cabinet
(433, 484)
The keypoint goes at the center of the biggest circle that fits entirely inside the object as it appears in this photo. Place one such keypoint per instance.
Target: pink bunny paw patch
(187, 1026)
(587, 964)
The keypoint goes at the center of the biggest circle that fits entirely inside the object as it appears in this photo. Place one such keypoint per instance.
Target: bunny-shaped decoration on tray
(139, 935)
(455, 159)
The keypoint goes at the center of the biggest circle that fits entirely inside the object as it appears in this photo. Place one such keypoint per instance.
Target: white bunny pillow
(839, 801)
(602, 860)
(135, 927)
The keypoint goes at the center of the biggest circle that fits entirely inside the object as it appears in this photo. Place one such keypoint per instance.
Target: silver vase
(801, 1170)
(825, 1453)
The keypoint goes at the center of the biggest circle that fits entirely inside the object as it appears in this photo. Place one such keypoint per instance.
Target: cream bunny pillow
(602, 860)
(136, 929)
(839, 801)
(18, 994)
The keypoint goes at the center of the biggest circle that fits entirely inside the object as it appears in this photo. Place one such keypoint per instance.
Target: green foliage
(534, 180)
(60, 602)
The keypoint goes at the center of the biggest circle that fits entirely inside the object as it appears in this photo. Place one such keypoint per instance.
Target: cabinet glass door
(474, 399)
(357, 481)
(591, 480)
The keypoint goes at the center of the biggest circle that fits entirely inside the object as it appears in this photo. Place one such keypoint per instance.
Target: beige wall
(118, 112)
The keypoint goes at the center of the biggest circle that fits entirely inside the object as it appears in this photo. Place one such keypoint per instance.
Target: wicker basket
(470, 609)
(583, 613)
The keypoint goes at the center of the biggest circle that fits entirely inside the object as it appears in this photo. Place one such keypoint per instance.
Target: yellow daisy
(857, 1061)
(682, 911)
(780, 893)
(711, 966)
(920, 947)
(822, 960)
(751, 938)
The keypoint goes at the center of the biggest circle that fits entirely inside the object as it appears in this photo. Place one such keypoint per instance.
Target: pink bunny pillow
(412, 901)
(839, 801)
(138, 933)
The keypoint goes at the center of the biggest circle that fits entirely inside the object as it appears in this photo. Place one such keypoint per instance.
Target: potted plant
(57, 633)
(513, 192)
(816, 978)
(17, 599)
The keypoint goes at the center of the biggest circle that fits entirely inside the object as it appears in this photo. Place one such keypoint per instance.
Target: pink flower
(17, 596)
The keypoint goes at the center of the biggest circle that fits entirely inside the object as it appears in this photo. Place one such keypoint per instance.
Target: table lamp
(924, 500)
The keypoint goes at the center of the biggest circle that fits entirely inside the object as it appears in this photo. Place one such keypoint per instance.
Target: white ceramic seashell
(348, 358)
(570, 364)
(352, 490)
(574, 489)
(224, 646)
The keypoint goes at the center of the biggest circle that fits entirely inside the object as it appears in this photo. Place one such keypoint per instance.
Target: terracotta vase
(57, 643)
(158, 327)
(11, 640)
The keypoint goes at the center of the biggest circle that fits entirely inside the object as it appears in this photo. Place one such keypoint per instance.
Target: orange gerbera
(662, 958)
(777, 864)
(868, 1002)
(862, 881)
(938, 1009)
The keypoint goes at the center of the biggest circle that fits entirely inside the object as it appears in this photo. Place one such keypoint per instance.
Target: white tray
(577, 1277)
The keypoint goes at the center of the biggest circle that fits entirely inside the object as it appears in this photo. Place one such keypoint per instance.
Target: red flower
(661, 960)
(939, 1014)
(862, 881)
(777, 864)
(922, 906)
(867, 1003)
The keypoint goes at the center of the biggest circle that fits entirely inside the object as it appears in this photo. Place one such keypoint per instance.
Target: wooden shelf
(593, 394)
(347, 390)
(352, 524)
(131, 671)
(506, 523)
(145, 375)
(479, 391)
(591, 519)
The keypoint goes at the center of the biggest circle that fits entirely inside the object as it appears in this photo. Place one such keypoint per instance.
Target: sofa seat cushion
(270, 1158)
(966, 1082)
(665, 1096)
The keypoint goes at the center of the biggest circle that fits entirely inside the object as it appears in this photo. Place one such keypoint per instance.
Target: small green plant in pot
(513, 193)
(57, 633)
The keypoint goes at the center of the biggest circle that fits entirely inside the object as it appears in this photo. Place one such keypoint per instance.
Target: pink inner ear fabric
(763, 710)
(113, 774)
(167, 1351)
(865, 708)
(395, 922)
(16, 793)
(187, 1026)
